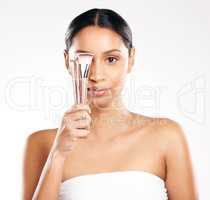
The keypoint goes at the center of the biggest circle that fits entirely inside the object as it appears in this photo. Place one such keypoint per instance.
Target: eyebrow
(106, 52)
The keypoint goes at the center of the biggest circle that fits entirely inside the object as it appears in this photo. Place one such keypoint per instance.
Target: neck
(106, 120)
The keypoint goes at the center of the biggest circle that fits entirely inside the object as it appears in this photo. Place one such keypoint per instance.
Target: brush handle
(79, 85)
(83, 91)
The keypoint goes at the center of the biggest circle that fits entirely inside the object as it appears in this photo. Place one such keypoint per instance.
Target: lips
(96, 92)
(96, 88)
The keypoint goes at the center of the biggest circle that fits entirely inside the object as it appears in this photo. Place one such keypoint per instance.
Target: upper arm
(180, 180)
(33, 162)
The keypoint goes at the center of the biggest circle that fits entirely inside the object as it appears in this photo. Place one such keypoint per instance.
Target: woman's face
(111, 62)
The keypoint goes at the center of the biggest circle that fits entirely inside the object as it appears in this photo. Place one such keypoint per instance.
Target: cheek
(117, 78)
(119, 70)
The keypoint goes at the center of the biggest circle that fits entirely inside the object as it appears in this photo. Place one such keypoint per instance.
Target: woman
(102, 150)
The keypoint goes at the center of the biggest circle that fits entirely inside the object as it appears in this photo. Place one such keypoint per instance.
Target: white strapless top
(117, 185)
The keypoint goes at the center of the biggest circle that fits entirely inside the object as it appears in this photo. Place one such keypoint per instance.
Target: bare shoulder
(172, 134)
(168, 130)
(177, 151)
(180, 179)
(37, 147)
(168, 137)
(42, 137)
(165, 133)
(38, 135)
(41, 140)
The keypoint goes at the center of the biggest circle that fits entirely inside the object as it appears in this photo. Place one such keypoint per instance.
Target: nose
(96, 72)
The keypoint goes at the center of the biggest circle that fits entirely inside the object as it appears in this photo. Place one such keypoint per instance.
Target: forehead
(97, 40)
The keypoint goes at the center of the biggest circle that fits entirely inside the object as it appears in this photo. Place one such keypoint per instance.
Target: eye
(112, 60)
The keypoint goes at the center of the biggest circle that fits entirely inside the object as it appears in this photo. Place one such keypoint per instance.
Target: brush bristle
(84, 58)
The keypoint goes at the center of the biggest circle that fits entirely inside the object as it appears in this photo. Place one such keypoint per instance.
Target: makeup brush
(82, 62)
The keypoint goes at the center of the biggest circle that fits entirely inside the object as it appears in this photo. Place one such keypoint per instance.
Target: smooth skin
(114, 139)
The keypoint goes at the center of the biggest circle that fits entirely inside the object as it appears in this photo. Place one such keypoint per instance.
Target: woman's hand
(75, 124)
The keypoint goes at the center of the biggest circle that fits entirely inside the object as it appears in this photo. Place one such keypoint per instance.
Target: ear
(67, 61)
(131, 59)
(66, 58)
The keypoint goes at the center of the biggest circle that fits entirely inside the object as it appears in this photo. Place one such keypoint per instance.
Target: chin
(101, 102)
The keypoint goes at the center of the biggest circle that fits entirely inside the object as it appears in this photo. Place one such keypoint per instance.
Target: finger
(79, 124)
(74, 138)
(75, 109)
(80, 133)
(77, 115)
(81, 107)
